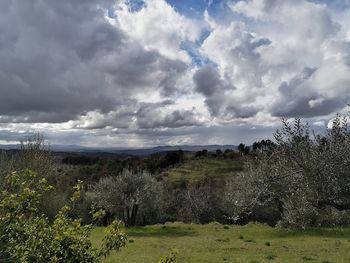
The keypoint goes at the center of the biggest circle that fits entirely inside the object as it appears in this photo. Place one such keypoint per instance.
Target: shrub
(26, 235)
(171, 258)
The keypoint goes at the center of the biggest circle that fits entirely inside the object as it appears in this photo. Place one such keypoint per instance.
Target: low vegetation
(215, 242)
(201, 169)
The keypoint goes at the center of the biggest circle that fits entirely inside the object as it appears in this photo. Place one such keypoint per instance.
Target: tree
(35, 155)
(202, 203)
(256, 146)
(303, 172)
(263, 145)
(132, 197)
(241, 148)
(246, 150)
(174, 157)
(26, 235)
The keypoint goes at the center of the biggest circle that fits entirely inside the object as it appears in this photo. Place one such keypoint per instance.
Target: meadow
(203, 169)
(215, 242)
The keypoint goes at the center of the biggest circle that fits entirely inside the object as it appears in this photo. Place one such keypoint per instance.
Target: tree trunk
(127, 216)
(134, 214)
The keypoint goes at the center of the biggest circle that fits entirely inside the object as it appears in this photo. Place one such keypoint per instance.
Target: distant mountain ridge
(128, 151)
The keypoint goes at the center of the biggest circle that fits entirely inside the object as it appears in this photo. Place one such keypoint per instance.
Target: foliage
(202, 203)
(171, 258)
(174, 157)
(6, 166)
(132, 197)
(27, 236)
(202, 153)
(304, 175)
(241, 147)
(35, 155)
(263, 145)
(200, 169)
(80, 160)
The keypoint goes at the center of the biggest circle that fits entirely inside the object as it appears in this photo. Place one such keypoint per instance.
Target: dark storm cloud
(59, 59)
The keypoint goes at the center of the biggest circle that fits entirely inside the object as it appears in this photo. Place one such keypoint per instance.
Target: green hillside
(203, 168)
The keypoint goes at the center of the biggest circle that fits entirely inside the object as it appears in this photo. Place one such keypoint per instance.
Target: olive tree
(132, 197)
(202, 203)
(34, 154)
(304, 175)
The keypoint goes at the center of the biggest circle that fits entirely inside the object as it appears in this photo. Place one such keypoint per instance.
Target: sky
(134, 73)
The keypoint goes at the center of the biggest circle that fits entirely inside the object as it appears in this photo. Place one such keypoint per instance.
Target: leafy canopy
(28, 236)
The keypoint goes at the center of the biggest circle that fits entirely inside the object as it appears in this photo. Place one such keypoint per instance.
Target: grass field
(219, 243)
(197, 169)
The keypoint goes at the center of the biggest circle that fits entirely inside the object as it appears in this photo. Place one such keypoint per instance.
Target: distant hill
(160, 149)
(127, 151)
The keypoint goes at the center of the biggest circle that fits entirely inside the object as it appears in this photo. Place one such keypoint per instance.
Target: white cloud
(275, 42)
(82, 77)
(158, 26)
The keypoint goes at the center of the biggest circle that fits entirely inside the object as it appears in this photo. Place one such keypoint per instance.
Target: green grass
(244, 244)
(203, 168)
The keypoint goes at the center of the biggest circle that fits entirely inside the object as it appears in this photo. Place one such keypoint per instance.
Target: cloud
(264, 53)
(59, 61)
(151, 116)
(217, 95)
(158, 26)
(318, 91)
(109, 72)
(306, 101)
(209, 83)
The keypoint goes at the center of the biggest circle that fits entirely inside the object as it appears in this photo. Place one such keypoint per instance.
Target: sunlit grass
(199, 169)
(220, 243)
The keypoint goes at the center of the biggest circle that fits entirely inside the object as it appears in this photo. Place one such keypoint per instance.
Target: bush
(26, 235)
(171, 258)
